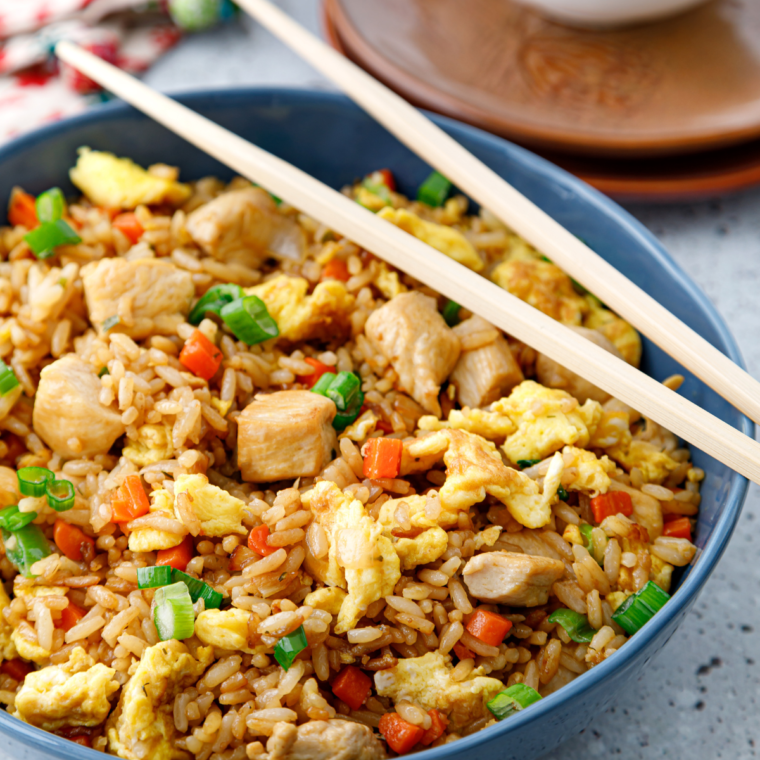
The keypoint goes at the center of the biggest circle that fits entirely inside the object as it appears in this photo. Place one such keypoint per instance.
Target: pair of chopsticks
(422, 262)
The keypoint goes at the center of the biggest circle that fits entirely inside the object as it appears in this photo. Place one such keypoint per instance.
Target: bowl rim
(724, 526)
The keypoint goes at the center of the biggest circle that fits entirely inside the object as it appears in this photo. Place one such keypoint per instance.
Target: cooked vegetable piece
(463, 653)
(32, 480)
(382, 458)
(70, 616)
(322, 384)
(199, 590)
(22, 209)
(249, 320)
(129, 226)
(129, 501)
(678, 528)
(335, 269)
(8, 379)
(344, 419)
(43, 240)
(525, 463)
(512, 700)
(25, 546)
(576, 625)
(60, 494)
(639, 608)
(173, 612)
(352, 686)
(400, 735)
(438, 723)
(212, 300)
(488, 627)
(50, 205)
(450, 313)
(320, 370)
(178, 556)
(588, 541)
(12, 519)
(288, 647)
(344, 390)
(153, 577)
(562, 493)
(201, 356)
(257, 541)
(72, 541)
(434, 190)
(611, 503)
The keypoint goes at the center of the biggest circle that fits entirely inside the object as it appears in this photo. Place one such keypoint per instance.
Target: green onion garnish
(60, 494)
(523, 464)
(344, 419)
(450, 313)
(154, 577)
(173, 615)
(111, 322)
(48, 236)
(25, 546)
(323, 383)
(588, 541)
(32, 480)
(12, 518)
(576, 625)
(343, 390)
(50, 205)
(213, 300)
(639, 608)
(288, 647)
(512, 700)
(8, 379)
(249, 320)
(199, 590)
(562, 493)
(103, 372)
(434, 190)
(378, 189)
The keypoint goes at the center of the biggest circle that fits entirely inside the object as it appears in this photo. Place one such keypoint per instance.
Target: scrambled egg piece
(73, 694)
(387, 281)
(224, 629)
(422, 549)
(361, 428)
(546, 420)
(154, 443)
(360, 558)
(7, 647)
(28, 650)
(661, 573)
(427, 681)
(29, 592)
(616, 598)
(114, 182)
(655, 465)
(544, 286)
(219, 512)
(330, 599)
(323, 314)
(444, 239)
(142, 726)
(487, 537)
(149, 539)
(475, 468)
(491, 425)
(593, 473)
(613, 429)
(9, 493)
(615, 329)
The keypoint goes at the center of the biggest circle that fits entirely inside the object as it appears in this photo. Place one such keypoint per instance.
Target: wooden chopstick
(472, 176)
(424, 263)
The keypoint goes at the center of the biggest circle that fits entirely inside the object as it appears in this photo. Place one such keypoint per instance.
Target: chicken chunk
(244, 226)
(324, 740)
(155, 293)
(485, 373)
(68, 414)
(553, 375)
(288, 434)
(73, 694)
(518, 580)
(142, 726)
(411, 334)
(217, 512)
(427, 681)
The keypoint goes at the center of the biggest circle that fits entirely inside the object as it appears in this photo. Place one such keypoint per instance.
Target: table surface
(699, 697)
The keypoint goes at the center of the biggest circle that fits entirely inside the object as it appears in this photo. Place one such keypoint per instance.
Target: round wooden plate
(686, 84)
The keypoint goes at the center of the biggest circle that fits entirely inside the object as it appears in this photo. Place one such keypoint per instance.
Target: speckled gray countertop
(699, 698)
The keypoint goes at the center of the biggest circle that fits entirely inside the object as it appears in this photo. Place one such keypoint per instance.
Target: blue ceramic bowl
(332, 139)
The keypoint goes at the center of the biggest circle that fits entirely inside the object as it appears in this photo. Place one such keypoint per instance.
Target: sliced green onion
(377, 188)
(8, 379)
(199, 590)
(60, 494)
(344, 390)
(213, 300)
(12, 518)
(25, 546)
(48, 236)
(523, 464)
(576, 625)
(344, 419)
(450, 313)
(588, 541)
(512, 700)
(249, 320)
(103, 372)
(562, 493)
(434, 190)
(288, 647)
(639, 608)
(173, 614)
(32, 480)
(111, 322)
(323, 383)
(154, 577)
(50, 205)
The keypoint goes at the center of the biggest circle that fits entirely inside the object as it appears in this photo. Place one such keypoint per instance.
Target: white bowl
(610, 13)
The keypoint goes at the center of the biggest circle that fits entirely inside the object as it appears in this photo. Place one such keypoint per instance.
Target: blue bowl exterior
(329, 137)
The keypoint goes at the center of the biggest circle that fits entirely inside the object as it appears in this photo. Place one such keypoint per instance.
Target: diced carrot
(335, 269)
(257, 541)
(70, 616)
(22, 210)
(400, 735)
(129, 225)
(73, 542)
(489, 627)
(85, 741)
(201, 356)
(352, 686)
(462, 652)
(18, 670)
(386, 177)
(679, 528)
(179, 556)
(611, 503)
(319, 369)
(438, 726)
(382, 458)
(129, 501)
